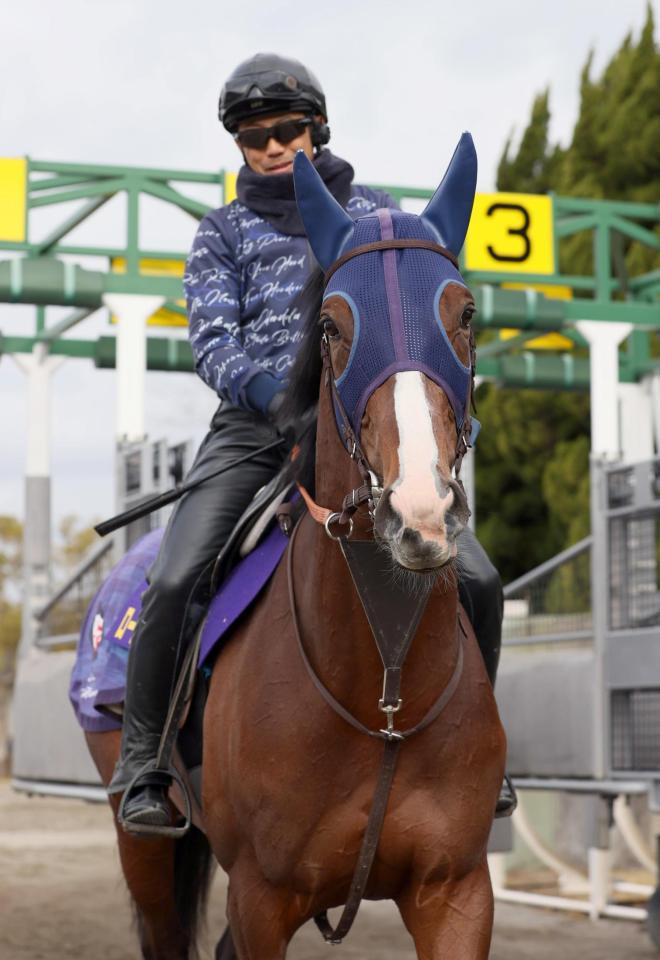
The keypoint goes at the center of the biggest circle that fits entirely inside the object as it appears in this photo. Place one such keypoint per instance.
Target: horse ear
(327, 225)
(449, 209)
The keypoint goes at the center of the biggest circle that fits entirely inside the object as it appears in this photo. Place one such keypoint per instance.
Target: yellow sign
(229, 189)
(13, 199)
(549, 341)
(511, 232)
(164, 317)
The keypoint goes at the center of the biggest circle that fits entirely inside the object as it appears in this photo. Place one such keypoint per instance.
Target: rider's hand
(291, 428)
(286, 428)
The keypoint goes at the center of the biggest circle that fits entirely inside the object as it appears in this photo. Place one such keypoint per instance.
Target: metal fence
(57, 624)
(551, 603)
(634, 589)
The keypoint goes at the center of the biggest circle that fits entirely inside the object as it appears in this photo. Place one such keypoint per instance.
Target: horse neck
(334, 628)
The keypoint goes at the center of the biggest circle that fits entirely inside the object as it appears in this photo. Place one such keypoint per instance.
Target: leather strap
(393, 741)
(367, 850)
(320, 514)
(332, 702)
(389, 245)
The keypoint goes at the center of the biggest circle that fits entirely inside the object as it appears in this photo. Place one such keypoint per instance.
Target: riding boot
(149, 682)
(173, 605)
(480, 592)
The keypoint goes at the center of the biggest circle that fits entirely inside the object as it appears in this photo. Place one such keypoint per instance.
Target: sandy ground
(62, 896)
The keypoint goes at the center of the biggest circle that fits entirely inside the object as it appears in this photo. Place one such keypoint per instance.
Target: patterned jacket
(241, 280)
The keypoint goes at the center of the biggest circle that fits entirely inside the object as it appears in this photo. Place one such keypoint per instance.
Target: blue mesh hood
(394, 296)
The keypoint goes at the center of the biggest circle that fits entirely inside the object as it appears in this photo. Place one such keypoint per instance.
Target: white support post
(39, 368)
(604, 340)
(654, 391)
(599, 881)
(636, 421)
(132, 312)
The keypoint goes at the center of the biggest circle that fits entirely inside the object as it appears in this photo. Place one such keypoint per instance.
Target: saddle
(251, 526)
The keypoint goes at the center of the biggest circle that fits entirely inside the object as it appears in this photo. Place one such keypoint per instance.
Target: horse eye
(330, 328)
(466, 316)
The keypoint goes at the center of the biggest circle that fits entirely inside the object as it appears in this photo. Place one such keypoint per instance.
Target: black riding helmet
(267, 83)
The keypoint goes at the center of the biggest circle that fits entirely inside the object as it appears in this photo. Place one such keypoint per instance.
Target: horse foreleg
(148, 867)
(263, 918)
(450, 919)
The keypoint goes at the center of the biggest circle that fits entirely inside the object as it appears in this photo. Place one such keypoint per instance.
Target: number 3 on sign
(511, 232)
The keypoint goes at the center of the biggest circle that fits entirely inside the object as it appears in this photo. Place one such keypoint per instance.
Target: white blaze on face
(416, 493)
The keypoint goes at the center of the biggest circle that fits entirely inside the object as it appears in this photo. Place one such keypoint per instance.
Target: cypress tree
(531, 169)
(532, 459)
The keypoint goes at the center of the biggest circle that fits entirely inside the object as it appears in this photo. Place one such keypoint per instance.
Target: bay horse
(288, 783)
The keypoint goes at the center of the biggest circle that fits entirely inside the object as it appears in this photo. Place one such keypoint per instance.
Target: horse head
(396, 328)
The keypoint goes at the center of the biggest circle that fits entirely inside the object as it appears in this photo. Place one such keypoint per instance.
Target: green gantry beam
(48, 281)
(36, 273)
(538, 370)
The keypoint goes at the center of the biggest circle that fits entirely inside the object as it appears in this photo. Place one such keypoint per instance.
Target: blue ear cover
(449, 209)
(326, 223)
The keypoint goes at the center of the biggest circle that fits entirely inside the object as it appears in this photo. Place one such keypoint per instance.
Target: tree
(74, 542)
(532, 464)
(11, 539)
(533, 168)
(525, 444)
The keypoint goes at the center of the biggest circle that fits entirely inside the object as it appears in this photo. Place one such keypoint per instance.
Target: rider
(248, 262)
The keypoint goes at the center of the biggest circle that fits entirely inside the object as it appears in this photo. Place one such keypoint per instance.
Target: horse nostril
(412, 540)
(458, 515)
(387, 520)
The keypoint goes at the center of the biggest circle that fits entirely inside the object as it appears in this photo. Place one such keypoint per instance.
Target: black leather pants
(480, 592)
(198, 529)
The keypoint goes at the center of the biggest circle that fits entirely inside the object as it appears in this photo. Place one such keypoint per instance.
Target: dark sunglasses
(256, 138)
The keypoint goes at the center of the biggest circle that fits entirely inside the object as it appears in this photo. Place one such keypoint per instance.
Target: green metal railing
(48, 272)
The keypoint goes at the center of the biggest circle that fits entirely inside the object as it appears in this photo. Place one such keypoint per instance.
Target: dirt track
(62, 896)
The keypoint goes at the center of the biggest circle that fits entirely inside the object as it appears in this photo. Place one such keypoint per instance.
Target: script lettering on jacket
(279, 364)
(210, 275)
(278, 266)
(268, 318)
(277, 339)
(246, 246)
(274, 290)
(220, 369)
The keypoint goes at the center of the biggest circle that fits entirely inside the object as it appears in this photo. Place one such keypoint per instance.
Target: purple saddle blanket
(98, 678)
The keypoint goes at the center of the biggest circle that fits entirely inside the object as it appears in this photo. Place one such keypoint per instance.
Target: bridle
(370, 490)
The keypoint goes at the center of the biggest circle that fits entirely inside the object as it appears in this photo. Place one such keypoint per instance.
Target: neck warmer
(272, 196)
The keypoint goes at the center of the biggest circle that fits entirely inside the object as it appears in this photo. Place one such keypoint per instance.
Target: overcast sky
(135, 82)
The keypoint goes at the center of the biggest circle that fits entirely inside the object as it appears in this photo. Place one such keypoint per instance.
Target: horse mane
(302, 394)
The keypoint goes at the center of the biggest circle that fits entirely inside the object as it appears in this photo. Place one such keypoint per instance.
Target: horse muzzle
(421, 540)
